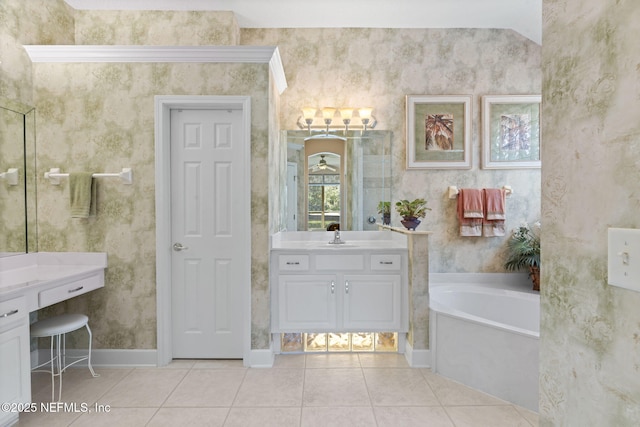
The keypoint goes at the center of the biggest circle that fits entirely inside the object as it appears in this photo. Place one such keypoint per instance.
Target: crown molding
(200, 54)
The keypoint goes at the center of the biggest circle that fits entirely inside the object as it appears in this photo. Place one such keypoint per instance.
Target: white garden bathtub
(484, 333)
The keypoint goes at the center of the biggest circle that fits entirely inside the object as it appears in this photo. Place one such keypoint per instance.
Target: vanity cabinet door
(372, 302)
(307, 302)
(15, 386)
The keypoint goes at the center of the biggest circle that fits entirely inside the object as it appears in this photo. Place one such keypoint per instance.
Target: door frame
(163, 106)
(295, 191)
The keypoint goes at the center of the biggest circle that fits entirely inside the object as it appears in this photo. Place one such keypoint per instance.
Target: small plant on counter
(384, 208)
(524, 251)
(411, 211)
(414, 209)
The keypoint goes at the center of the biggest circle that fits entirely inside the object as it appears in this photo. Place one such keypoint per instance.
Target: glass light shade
(328, 112)
(346, 113)
(308, 113)
(365, 113)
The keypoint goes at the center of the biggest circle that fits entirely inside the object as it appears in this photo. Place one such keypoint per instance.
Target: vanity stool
(56, 327)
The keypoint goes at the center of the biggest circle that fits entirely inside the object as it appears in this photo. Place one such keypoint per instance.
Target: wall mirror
(17, 182)
(336, 180)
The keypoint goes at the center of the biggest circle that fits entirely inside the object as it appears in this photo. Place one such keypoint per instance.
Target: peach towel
(494, 208)
(470, 211)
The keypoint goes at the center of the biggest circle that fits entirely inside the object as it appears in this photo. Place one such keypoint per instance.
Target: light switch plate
(624, 258)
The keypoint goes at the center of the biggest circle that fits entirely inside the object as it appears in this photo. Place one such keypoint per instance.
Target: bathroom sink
(352, 240)
(342, 245)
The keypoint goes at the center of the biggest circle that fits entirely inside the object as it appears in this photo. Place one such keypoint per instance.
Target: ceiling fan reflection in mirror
(322, 165)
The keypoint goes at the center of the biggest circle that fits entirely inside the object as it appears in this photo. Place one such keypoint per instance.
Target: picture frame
(438, 131)
(511, 132)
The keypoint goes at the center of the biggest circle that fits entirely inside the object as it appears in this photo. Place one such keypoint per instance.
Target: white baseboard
(261, 359)
(104, 357)
(417, 358)
(139, 358)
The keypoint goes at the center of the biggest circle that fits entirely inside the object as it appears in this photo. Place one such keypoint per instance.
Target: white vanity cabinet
(306, 302)
(372, 303)
(29, 282)
(15, 386)
(339, 290)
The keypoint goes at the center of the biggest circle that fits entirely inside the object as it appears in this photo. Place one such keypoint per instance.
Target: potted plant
(384, 208)
(524, 251)
(411, 211)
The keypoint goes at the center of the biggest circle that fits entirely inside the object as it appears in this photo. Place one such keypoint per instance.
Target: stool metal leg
(60, 365)
(89, 356)
(53, 383)
(64, 352)
(58, 361)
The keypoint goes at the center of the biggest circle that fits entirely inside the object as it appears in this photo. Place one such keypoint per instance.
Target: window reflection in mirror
(323, 192)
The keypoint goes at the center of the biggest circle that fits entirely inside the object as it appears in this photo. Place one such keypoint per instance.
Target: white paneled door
(207, 200)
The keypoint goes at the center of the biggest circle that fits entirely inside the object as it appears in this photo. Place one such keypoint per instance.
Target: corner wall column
(418, 336)
(417, 352)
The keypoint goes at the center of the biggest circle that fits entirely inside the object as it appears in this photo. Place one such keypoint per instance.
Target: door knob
(178, 247)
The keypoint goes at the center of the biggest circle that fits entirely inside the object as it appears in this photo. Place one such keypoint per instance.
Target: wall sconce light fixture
(363, 121)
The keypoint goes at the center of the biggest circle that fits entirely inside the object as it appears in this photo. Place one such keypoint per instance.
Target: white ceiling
(523, 16)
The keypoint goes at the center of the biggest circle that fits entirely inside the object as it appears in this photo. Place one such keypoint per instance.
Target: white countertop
(39, 270)
(353, 240)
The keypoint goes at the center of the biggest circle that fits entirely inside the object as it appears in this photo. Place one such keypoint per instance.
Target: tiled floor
(300, 390)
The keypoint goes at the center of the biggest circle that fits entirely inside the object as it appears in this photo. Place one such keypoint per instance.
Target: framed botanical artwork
(439, 131)
(511, 132)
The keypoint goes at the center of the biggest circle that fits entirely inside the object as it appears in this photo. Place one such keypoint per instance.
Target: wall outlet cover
(624, 258)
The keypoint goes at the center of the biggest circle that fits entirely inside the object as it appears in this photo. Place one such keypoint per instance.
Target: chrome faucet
(336, 238)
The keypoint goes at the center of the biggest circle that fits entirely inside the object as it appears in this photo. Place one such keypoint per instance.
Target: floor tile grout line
(522, 415)
(453, 423)
(108, 389)
(153, 416)
(235, 396)
(431, 388)
(304, 381)
(115, 383)
(175, 387)
(364, 377)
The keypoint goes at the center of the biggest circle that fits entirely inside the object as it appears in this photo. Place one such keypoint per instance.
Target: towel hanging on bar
(82, 194)
(494, 212)
(470, 212)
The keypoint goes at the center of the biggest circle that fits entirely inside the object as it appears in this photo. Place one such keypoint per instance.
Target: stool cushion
(58, 325)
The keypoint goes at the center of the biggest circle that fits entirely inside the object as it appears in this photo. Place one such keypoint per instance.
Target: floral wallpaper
(379, 67)
(21, 23)
(160, 28)
(590, 331)
(100, 117)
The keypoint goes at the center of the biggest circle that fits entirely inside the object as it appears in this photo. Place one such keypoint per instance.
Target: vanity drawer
(293, 262)
(386, 262)
(70, 290)
(12, 311)
(339, 262)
